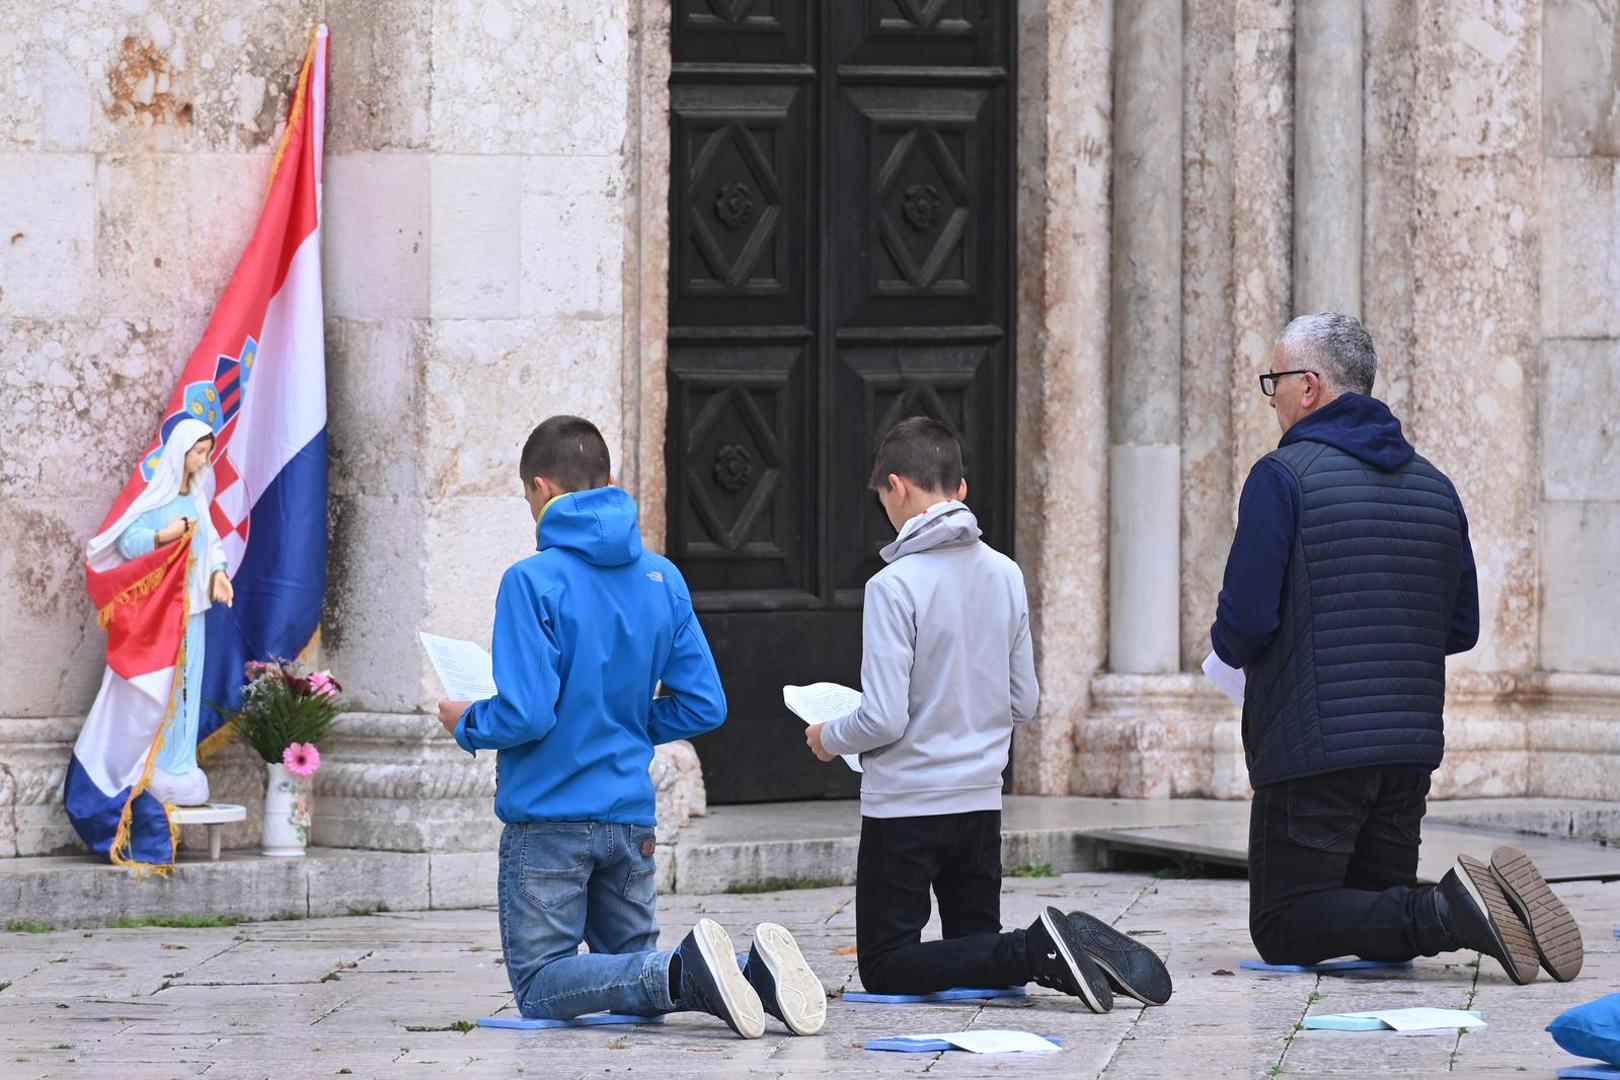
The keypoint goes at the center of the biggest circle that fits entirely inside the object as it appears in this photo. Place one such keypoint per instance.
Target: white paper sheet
(992, 1041)
(464, 668)
(1421, 1019)
(1228, 680)
(821, 702)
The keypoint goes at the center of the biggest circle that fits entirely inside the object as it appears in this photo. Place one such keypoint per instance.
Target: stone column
(1206, 320)
(1262, 171)
(1477, 117)
(1388, 211)
(1144, 563)
(1327, 158)
(1064, 142)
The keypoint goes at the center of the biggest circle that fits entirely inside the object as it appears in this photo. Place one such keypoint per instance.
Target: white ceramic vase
(286, 813)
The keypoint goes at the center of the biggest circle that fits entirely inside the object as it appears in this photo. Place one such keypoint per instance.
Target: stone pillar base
(387, 782)
(1535, 734)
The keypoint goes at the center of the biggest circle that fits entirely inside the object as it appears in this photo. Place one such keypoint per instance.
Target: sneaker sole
(799, 994)
(1553, 930)
(744, 1014)
(1130, 965)
(1076, 965)
(1518, 957)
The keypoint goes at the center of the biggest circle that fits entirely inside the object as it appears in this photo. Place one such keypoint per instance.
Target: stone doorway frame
(1064, 156)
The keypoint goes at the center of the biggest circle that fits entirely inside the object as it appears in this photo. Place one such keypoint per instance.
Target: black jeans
(959, 856)
(1333, 869)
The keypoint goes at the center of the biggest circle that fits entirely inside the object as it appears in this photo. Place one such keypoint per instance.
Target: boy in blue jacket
(585, 632)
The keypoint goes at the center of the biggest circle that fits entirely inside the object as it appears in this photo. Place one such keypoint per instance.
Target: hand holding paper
(466, 671)
(822, 702)
(1228, 680)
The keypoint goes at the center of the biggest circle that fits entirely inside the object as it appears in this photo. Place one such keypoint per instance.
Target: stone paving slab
(381, 995)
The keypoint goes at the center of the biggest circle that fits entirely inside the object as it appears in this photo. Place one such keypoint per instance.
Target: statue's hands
(222, 591)
(173, 531)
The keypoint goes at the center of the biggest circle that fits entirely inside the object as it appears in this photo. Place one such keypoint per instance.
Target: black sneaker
(1477, 915)
(1553, 930)
(1132, 968)
(712, 982)
(1058, 961)
(786, 986)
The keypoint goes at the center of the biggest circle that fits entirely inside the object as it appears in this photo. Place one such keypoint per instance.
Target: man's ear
(961, 490)
(897, 487)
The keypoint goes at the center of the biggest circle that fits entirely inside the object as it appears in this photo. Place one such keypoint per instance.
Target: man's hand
(223, 592)
(812, 738)
(450, 714)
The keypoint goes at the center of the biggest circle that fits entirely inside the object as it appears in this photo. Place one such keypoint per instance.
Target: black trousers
(959, 857)
(1333, 869)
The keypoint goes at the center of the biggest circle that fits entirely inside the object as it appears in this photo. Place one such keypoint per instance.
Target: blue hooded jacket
(1250, 607)
(585, 630)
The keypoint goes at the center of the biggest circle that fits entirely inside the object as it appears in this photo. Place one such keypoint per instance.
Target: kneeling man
(1349, 582)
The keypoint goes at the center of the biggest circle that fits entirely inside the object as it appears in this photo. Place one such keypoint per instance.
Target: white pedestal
(212, 815)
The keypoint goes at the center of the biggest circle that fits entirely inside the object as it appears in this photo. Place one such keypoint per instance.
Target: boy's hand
(450, 714)
(812, 738)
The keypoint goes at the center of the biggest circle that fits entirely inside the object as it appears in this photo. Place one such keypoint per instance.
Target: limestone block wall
(484, 268)
(1446, 169)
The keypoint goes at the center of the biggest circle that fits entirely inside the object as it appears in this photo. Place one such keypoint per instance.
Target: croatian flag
(257, 379)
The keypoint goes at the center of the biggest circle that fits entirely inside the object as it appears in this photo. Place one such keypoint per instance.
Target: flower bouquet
(286, 710)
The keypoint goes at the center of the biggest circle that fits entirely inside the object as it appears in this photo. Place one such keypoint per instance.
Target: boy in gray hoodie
(947, 670)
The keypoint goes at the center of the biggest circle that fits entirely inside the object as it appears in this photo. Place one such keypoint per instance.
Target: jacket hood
(601, 526)
(1361, 426)
(944, 525)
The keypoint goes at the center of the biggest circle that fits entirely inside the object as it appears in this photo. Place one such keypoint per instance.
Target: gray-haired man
(1349, 582)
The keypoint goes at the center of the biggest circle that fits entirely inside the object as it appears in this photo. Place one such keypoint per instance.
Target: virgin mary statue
(153, 571)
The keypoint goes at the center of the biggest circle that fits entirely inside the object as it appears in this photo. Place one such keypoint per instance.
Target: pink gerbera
(301, 759)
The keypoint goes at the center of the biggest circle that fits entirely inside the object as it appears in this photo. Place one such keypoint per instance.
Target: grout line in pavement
(1310, 999)
(1473, 992)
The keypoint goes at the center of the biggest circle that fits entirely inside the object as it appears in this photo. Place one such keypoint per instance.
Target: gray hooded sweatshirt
(947, 669)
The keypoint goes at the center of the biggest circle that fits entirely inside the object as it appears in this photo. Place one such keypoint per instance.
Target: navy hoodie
(585, 631)
(1250, 606)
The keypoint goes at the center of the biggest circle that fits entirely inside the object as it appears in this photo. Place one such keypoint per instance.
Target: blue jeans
(564, 882)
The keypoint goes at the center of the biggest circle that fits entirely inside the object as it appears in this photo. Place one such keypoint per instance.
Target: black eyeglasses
(1268, 381)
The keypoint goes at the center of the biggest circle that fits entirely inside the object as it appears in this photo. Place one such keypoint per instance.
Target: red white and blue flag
(258, 380)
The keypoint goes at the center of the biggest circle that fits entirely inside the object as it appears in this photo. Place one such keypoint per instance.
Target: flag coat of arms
(256, 383)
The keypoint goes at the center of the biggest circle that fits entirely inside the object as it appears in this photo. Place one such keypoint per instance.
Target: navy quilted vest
(1356, 676)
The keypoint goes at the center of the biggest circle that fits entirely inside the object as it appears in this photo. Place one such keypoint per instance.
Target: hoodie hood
(601, 526)
(1361, 426)
(944, 525)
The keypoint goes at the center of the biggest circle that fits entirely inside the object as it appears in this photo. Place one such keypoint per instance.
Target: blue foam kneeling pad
(1591, 1071)
(911, 1044)
(522, 1023)
(1326, 966)
(960, 993)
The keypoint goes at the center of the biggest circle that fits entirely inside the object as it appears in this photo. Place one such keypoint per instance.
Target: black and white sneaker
(782, 978)
(712, 982)
(1058, 961)
(1132, 968)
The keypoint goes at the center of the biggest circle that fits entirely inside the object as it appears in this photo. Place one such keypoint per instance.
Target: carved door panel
(841, 235)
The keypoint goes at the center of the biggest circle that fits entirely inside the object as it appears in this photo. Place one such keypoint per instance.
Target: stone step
(784, 844)
(749, 848)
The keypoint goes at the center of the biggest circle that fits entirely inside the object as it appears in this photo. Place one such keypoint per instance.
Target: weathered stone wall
(1447, 170)
(484, 268)
(496, 251)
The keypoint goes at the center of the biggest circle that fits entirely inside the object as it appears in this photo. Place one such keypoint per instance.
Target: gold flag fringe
(117, 853)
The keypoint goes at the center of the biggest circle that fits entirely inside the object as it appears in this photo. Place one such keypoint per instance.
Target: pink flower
(254, 668)
(322, 684)
(301, 759)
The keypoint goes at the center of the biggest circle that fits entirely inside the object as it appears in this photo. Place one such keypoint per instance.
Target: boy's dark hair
(922, 451)
(568, 451)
